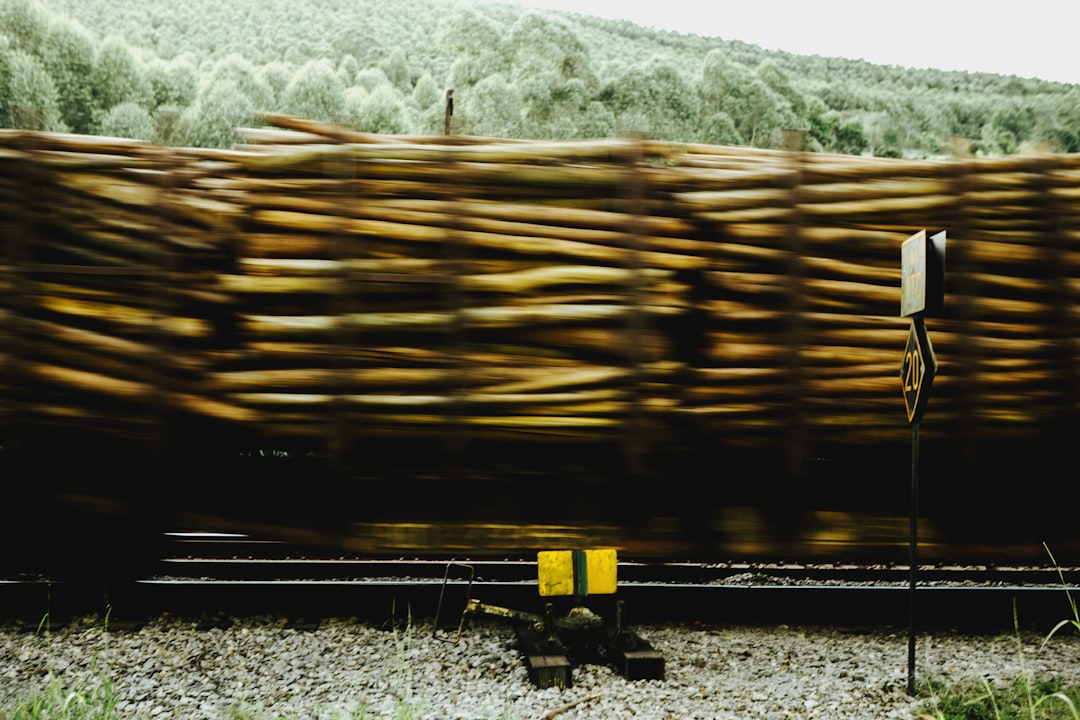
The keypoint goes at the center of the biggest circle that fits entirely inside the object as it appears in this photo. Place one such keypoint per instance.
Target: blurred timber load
(319, 283)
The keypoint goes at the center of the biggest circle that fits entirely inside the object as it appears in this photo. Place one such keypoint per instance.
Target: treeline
(191, 73)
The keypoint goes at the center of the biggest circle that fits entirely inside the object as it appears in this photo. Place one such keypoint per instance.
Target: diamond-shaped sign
(917, 370)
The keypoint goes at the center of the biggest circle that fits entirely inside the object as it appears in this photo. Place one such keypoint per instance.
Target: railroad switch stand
(552, 644)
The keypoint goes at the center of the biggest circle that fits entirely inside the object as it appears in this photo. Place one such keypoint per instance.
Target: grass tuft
(1073, 621)
(1023, 699)
(1026, 698)
(408, 708)
(57, 702)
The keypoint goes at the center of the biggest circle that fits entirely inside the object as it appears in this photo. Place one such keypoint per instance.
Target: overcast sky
(1028, 38)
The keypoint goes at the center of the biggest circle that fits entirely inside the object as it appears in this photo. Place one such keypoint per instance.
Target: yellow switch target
(561, 571)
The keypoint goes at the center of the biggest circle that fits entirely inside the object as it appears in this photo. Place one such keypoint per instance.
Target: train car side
(678, 350)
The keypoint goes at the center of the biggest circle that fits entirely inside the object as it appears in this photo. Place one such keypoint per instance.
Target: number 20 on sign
(918, 369)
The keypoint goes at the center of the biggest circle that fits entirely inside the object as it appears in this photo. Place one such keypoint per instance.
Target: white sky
(1028, 38)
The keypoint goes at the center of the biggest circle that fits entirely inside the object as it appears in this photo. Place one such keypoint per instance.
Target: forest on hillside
(191, 73)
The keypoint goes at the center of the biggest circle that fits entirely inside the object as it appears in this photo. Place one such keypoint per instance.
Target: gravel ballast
(336, 669)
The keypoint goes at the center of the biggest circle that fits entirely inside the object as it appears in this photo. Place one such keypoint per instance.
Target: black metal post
(914, 559)
(449, 111)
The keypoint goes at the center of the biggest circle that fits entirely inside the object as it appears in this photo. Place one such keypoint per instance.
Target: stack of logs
(318, 278)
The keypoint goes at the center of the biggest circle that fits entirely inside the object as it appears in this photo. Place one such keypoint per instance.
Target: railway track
(223, 574)
(215, 556)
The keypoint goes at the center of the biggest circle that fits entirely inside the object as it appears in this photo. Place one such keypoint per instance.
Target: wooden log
(476, 317)
(67, 338)
(127, 318)
(91, 382)
(519, 282)
(513, 219)
(123, 389)
(313, 235)
(127, 191)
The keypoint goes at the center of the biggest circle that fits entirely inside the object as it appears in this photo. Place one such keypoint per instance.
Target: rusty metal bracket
(442, 594)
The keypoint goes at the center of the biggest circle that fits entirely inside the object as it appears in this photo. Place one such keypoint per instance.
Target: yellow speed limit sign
(917, 370)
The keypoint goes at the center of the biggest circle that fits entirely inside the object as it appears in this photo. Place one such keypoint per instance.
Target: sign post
(922, 290)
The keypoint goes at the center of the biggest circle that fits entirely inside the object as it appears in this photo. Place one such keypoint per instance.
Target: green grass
(1026, 698)
(98, 702)
(57, 702)
(1073, 621)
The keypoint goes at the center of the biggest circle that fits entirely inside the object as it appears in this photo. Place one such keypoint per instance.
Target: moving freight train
(461, 346)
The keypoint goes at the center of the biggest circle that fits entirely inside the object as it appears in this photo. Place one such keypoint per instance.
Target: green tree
(850, 138)
(315, 92)
(431, 120)
(653, 98)
(996, 140)
(491, 108)
(596, 122)
(841, 94)
(171, 126)
(5, 80)
(68, 53)
(770, 73)
(118, 77)
(359, 37)
(347, 69)
(371, 78)
(546, 106)
(32, 100)
(241, 73)
(25, 23)
(759, 112)
(396, 67)
(172, 82)
(276, 76)
(128, 120)
(217, 115)
(1014, 118)
(719, 129)
(884, 138)
(540, 44)
(966, 115)
(829, 132)
(352, 105)
(722, 79)
(551, 77)
(426, 92)
(383, 111)
(762, 115)
(475, 45)
(822, 125)
(1059, 123)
